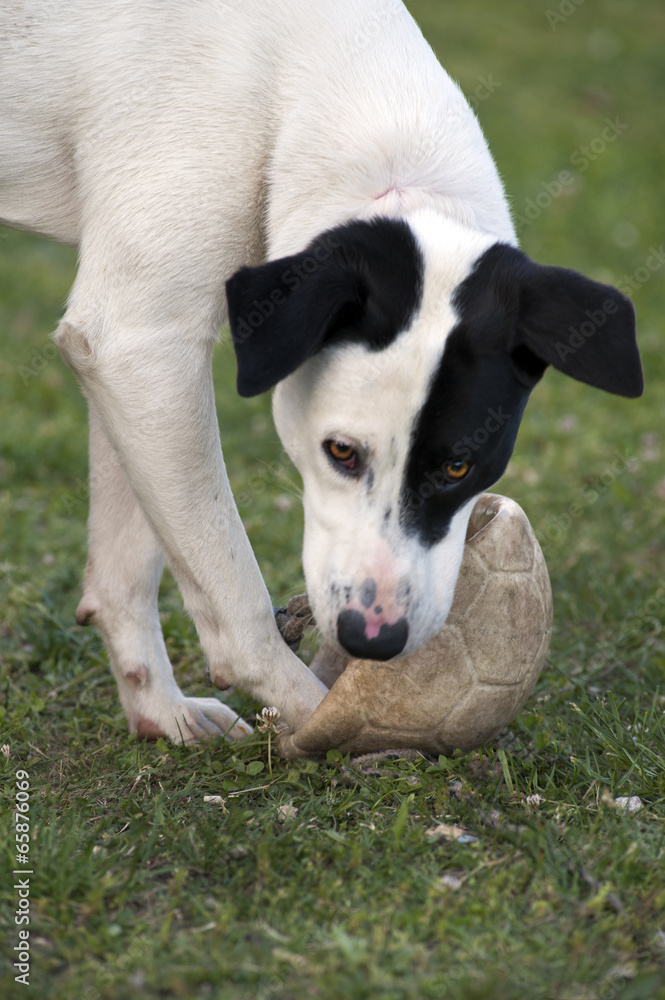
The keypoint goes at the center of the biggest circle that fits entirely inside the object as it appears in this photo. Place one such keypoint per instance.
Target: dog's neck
(361, 135)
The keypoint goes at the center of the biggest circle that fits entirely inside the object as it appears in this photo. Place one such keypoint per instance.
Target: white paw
(188, 720)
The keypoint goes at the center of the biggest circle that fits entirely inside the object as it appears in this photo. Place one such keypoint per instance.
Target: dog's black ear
(558, 317)
(361, 281)
(583, 328)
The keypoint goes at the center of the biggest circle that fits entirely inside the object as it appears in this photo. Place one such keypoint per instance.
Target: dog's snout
(352, 635)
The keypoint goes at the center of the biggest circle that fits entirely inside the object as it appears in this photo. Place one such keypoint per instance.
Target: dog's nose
(352, 635)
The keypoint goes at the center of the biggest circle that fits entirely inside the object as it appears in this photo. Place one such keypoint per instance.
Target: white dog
(317, 146)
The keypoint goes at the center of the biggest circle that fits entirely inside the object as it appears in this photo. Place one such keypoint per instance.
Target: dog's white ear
(361, 281)
(556, 317)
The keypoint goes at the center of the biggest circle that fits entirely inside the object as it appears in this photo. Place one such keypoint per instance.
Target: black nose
(390, 641)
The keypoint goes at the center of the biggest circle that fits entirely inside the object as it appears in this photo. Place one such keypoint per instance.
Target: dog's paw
(190, 720)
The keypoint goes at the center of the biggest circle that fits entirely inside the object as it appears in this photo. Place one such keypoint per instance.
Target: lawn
(323, 881)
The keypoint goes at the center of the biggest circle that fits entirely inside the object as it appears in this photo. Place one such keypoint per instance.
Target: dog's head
(404, 354)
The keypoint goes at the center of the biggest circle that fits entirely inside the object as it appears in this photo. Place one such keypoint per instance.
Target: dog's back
(231, 104)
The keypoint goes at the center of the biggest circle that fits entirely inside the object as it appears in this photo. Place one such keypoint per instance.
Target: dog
(308, 170)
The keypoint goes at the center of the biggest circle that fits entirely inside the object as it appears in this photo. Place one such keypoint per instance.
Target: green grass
(140, 889)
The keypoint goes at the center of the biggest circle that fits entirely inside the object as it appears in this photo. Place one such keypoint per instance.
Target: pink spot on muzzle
(374, 624)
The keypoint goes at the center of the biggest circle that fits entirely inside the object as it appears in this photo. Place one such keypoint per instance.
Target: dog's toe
(191, 721)
(208, 717)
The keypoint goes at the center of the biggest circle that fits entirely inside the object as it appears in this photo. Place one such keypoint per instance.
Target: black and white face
(394, 445)
(404, 360)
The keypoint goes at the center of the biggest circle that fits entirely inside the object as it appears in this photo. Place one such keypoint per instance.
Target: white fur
(173, 141)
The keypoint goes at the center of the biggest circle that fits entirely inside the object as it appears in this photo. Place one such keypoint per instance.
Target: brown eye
(456, 470)
(343, 454)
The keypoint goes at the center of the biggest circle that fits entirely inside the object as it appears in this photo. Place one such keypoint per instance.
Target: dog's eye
(455, 471)
(341, 453)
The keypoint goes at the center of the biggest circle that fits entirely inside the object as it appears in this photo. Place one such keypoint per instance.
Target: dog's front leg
(154, 397)
(122, 577)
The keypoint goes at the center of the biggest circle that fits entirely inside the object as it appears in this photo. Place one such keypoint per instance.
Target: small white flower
(287, 811)
(451, 881)
(5, 749)
(534, 800)
(268, 719)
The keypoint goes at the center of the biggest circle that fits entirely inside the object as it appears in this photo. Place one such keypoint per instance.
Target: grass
(323, 882)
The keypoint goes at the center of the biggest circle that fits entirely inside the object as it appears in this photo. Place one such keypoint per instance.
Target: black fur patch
(515, 318)
(358, 282)
(472, 413)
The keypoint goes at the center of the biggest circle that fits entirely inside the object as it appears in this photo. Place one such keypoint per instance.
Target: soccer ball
(469, 681)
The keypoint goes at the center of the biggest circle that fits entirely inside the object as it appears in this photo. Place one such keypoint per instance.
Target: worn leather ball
(461, 688)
